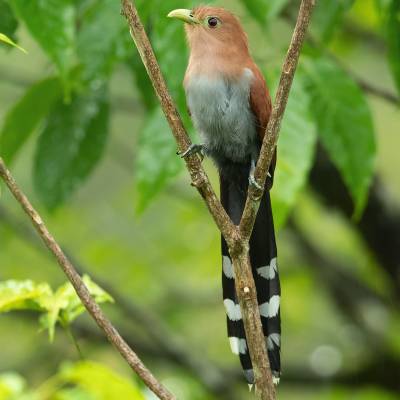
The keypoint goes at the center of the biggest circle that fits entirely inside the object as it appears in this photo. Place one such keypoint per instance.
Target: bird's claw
(193, 149)
(254, 183)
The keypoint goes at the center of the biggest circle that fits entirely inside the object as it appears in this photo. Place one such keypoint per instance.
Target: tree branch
(274, 124)
(163, 341)
(238, 243)
(198, 175)
(93, 308)
(367, 86)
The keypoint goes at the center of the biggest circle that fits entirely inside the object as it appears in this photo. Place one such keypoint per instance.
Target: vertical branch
(87, 300)
(272, 132)
(247, 296)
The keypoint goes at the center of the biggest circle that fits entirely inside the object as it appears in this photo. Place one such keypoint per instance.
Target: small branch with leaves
(237, 237)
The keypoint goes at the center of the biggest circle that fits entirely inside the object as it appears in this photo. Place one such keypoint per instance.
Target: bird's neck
(209, 57)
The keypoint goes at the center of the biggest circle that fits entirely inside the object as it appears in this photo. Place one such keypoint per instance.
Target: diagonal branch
(93, 308)
(198, 175)
(165, 343)
(272, 132)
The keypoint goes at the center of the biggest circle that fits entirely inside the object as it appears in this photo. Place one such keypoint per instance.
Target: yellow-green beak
(184, 15)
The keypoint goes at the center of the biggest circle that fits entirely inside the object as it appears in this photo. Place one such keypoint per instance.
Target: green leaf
(6, 39)
(157, 164)
(142, 82)
(65, 306)
(345, 126)
(100, 381)
(327, 16)
(26, 114)
(264, 10)
(172, 63)
(97, 46)
(74, 307)
(23, 295)
(156, 161)
(70, 145)
(296, 149)
(52, 24)
(393, 39)
(8, 22)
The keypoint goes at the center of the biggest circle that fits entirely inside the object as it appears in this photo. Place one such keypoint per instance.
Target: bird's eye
(212, 22)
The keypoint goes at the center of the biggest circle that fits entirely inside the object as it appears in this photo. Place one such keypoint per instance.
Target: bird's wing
(260, 104)
(260, 101)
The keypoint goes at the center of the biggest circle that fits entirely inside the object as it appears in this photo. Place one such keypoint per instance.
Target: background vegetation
(86, 139)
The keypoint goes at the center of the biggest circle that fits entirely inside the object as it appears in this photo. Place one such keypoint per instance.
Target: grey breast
(221, 113)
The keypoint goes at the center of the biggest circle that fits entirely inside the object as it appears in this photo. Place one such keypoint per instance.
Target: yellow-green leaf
(100, 381)
(23, 295)
(4, 38)
(11, 386)
(65, 305)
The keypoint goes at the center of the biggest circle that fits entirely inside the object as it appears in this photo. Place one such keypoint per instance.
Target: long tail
(263, 262)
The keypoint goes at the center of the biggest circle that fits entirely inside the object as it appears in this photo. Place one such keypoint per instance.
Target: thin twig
(376, 90)
(93, 308)
(165, 342)
(272, 131)
(367, 86)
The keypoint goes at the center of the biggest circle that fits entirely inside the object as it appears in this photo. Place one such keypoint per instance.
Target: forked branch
(237, 239)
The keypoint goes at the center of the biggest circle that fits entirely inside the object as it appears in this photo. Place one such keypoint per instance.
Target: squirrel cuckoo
(230, 106)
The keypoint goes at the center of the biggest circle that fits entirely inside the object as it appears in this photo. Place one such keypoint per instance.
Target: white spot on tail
(270, 309)
(227, 267)
(232, 310)
(268, 271)
(238, 346)
(276, 380)
(274, 339)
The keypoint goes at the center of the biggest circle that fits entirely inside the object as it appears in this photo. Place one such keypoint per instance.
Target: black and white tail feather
(263, 259)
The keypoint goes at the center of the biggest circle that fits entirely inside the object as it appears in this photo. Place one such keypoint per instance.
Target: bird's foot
(252, 179)
(253, 182)
(193, 149)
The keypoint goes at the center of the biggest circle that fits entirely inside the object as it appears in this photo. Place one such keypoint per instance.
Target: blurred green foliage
(73, 36)
(62, 306)
(81, 381)
(86, 138)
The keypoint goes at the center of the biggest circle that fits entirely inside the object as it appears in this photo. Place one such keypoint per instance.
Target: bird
(230, 106)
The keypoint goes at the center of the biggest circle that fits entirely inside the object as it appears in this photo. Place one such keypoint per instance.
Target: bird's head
(212, 26)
